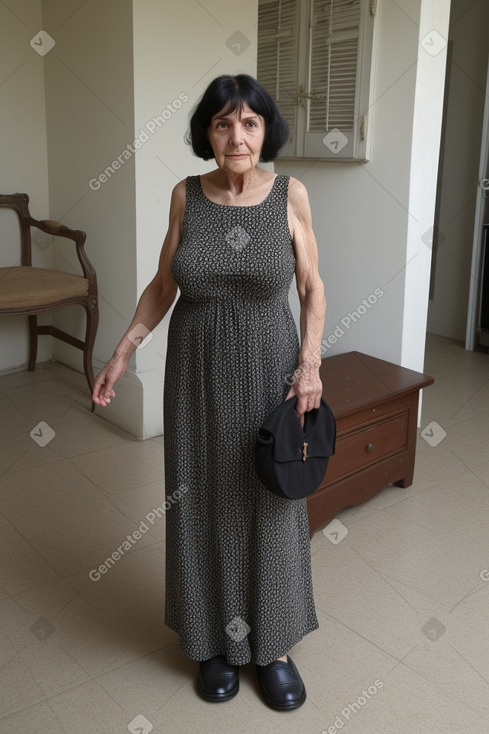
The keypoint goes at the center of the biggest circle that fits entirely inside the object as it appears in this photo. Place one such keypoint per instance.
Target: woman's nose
(236, 134)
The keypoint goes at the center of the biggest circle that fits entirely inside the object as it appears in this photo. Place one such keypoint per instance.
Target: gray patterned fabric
(238, 576)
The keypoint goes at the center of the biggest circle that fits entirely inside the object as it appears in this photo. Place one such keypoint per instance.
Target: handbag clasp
(304, 451)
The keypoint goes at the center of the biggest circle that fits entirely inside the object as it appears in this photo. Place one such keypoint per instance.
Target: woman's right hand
(106, 379)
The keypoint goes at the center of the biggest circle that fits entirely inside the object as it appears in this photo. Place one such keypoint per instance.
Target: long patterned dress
(238, 575)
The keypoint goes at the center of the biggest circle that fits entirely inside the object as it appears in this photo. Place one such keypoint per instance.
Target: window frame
(335, 144)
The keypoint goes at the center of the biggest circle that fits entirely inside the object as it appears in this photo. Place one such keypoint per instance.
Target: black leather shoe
(217, 679)
(282, 685)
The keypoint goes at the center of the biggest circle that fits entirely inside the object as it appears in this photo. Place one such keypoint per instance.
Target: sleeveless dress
(238, 565)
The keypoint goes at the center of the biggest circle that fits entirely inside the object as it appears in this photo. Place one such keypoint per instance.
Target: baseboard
(451, 332)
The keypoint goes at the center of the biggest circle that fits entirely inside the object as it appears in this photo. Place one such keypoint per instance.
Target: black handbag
(291, 461)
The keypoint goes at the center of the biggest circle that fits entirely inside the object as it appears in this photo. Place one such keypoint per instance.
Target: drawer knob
(369, 447)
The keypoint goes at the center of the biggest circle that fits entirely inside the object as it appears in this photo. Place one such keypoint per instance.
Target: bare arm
(154, 303)
(307, 384)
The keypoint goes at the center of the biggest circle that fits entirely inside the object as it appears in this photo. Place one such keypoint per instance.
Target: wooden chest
(375, 404)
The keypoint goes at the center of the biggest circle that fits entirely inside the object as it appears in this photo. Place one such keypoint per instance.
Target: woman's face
(237, 139)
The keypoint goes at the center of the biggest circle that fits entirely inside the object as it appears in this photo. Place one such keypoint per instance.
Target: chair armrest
(50, 226)
(53, 226)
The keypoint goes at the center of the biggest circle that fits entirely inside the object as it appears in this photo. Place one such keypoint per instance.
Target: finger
(291, 393)
(301, 406)
(106, 387)
(104, 400)
(98, 398)
(98, 392)
(97, 387)
(306, 404)
(101, 395)
(311, 403)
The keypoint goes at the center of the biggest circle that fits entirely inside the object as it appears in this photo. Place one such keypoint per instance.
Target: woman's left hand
(308, 389)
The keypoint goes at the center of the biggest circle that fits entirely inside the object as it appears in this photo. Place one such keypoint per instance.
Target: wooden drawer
(360, 448)
(374, 402)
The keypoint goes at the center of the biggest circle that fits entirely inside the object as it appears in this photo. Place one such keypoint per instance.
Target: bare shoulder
(298, 200)
(178, 194)
(177, 204)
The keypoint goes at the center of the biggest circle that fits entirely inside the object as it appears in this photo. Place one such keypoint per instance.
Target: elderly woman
(238, 567)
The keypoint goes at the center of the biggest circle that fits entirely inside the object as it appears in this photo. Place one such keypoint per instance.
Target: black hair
(230, 93)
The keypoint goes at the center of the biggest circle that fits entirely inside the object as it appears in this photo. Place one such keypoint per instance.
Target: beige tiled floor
(403, 644)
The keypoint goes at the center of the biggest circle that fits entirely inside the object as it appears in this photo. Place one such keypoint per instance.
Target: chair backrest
(20, 204)
(10, 239)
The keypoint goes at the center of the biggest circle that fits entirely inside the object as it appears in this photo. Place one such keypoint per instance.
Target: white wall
(23, 166)
(106, 78)
(178, 50)
(118, 64)
(460, 162)
(427, 123)
(363, 213)
(90, 121)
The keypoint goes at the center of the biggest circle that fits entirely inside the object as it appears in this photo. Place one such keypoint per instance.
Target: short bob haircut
(230, 93)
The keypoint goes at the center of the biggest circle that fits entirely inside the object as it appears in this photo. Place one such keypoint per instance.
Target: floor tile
(22, 566)
(123, 467)
(70, 522)
(402, 600)
(32, 720)
(34, 665)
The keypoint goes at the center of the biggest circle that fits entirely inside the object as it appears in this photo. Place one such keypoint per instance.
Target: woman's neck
(237, 183)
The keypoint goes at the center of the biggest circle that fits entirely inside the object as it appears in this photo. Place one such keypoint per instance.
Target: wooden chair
(31, 291)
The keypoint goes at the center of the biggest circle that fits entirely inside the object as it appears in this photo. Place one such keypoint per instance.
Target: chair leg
(32, 342)
(90, 333)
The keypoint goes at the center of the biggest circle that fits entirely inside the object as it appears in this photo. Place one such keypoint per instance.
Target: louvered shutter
(332, 79)
(278, 54)
(314, 57)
